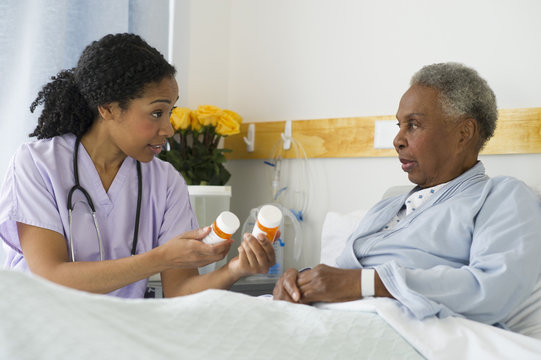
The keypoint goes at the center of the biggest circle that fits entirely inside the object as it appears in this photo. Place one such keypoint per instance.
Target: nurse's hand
(256, 256)
(188, 251)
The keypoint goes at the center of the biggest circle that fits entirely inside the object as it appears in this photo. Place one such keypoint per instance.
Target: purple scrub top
(35, 192)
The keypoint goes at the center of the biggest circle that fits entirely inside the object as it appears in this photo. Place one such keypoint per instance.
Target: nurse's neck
(105, 155)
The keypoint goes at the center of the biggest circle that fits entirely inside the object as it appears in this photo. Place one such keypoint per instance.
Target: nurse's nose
(166, 129)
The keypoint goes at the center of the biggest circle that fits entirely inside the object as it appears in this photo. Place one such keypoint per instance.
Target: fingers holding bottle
(188, 250)
(256, 256)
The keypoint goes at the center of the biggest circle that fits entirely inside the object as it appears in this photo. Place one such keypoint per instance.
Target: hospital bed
(43, 320)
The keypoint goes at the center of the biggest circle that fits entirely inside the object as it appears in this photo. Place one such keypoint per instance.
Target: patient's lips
(407, 165)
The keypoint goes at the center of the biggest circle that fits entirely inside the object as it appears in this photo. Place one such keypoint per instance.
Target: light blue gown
(473, 249)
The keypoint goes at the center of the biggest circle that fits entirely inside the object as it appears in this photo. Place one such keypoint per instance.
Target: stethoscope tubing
(78, 187)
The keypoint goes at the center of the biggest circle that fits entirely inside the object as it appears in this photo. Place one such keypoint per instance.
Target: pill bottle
(268, 221)
(225, 225)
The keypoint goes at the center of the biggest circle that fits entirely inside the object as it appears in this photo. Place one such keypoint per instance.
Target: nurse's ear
(108, 111)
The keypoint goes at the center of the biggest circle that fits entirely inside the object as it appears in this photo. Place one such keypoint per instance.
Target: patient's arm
(323, 283)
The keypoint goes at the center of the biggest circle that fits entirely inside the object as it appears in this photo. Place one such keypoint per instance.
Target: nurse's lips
(156, 149)
(407, 165)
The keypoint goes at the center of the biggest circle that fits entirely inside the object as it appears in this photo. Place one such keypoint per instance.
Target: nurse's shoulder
(45, 155)
(163, 171)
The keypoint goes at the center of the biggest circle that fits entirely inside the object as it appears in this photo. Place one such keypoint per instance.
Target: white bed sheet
(450, 338)
(42, 320)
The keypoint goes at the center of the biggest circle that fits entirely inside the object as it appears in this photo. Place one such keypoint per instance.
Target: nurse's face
(427, 143)
(141, 130)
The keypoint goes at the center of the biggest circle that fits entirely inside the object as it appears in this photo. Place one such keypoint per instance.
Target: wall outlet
(384, 134)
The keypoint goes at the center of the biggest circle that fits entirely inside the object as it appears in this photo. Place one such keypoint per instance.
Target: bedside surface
(252, 285)
(255, 285)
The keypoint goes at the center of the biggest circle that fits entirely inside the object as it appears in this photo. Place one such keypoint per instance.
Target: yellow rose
(234, 115)
(208, 115)
(228, 123)
(196, 126)
(180, 118)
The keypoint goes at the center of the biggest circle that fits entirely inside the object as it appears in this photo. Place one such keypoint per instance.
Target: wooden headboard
(518, 132)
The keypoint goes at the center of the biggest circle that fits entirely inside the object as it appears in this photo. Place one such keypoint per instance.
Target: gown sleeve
(503, 265)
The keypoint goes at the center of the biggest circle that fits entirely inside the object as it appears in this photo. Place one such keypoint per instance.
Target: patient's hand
(256, 256)
(286, 287)
(322, 283)
(329, 284)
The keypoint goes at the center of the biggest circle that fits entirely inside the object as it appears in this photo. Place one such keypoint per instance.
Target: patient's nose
(399, 141)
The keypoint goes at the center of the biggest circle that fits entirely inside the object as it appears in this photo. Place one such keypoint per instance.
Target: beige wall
(307, 59)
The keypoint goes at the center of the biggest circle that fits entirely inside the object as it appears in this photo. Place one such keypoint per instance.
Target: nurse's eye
(171, 111)
(157, 114)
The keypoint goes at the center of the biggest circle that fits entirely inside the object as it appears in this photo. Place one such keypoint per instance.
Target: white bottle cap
(269, 216)
(228, 222)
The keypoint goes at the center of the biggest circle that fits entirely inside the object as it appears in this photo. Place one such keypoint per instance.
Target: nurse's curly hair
(115, 68)
(462, 93)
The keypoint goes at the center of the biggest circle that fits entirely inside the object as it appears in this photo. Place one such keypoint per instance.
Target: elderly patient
(459, 243)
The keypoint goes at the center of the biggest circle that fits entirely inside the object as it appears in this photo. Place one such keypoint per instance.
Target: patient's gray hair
(462, 93)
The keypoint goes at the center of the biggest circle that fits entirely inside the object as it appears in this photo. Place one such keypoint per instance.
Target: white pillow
(336, 230)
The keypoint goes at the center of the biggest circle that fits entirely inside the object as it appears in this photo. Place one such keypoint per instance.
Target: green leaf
(198, 163)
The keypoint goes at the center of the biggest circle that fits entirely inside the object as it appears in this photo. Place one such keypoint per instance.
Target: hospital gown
(35, 192)
(471, 250)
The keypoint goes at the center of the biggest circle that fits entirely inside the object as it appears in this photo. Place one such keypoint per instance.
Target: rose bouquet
(193, 149)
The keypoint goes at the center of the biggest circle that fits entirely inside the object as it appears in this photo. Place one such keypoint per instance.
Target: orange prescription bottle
(225, 225)
(268, 221)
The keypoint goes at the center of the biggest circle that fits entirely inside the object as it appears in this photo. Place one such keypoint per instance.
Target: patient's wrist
(368, 288)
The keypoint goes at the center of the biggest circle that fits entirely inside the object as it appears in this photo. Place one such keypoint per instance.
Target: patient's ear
(469, 132)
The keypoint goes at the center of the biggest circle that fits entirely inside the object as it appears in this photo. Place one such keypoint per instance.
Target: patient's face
(426, 143)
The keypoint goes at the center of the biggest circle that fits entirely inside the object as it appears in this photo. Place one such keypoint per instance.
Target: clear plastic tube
(291, 185)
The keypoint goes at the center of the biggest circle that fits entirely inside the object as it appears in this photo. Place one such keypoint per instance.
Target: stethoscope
(77, 186)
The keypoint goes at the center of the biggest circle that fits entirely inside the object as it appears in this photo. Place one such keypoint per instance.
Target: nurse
(101, 125)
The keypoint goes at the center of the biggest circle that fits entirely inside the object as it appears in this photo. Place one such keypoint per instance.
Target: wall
(201, 51)
(308, 59)
(38, 39)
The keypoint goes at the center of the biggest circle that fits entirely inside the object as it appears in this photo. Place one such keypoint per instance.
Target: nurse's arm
(179, 282)
(46, 254)
(256, 256)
